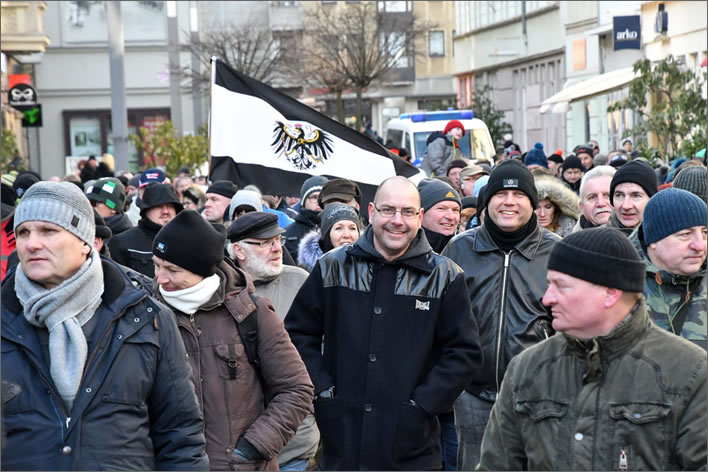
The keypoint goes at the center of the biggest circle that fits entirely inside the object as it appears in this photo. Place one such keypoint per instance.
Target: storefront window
(85, 137)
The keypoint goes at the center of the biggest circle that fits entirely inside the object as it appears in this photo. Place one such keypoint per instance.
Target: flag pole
(212, 62)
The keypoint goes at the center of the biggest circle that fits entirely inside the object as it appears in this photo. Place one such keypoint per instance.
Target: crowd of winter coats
(265, 417)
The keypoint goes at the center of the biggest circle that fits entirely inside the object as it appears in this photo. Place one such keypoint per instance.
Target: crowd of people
(541, 312)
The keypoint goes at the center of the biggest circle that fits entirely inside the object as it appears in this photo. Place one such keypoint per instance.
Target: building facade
(517, 48)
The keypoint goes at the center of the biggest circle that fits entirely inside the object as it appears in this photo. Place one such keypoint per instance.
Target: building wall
(490, 50)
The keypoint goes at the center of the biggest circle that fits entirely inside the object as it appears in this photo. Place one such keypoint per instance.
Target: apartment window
(395, 43)
(454, 33)
(436, 43)
(394, 7)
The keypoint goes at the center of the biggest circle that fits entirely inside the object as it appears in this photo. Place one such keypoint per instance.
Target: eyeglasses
(268, 242)
(390, 212)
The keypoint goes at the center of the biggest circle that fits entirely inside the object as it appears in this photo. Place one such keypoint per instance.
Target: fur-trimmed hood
(309, 250)
(552, 189)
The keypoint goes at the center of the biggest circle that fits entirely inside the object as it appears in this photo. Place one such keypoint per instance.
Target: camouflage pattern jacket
(676, 303)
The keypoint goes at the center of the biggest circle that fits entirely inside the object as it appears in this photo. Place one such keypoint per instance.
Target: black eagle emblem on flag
(303, 145)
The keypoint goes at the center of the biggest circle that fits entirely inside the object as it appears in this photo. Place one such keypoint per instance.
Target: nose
(34, 241)
(626, 203)
(698, 243)
(548, 297)
(602, 201)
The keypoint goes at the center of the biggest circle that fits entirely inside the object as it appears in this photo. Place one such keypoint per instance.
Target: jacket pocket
(640, 435)
(14, 397)
(133, 386)
(140, 261)
(328, 414)
(413, 432)
(539, 410)
(228, 360)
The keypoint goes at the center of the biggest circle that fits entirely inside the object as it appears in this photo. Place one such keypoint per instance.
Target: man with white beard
(256, 245)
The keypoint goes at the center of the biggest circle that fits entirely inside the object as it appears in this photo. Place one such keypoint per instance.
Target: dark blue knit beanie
(670, 211)
(536, 156)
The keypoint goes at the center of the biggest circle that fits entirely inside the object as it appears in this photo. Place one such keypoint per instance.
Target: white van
(411, 131)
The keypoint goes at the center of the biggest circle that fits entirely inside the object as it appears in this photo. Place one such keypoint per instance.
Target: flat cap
(256, 225)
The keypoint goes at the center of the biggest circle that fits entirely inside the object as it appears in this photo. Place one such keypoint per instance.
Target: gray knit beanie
(313, 184)
(61, 203)
(336, 212)
(692, 179)
(245, 197)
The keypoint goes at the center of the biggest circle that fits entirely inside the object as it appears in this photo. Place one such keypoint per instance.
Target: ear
(371, 211)
(612, 296)
(238, 252)
(86, 249)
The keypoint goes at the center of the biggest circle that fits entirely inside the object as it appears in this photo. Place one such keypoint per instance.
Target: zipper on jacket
(507, 256)
(623, 460)
(597, 415)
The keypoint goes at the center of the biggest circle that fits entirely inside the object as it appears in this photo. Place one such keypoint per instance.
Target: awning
(597, 85)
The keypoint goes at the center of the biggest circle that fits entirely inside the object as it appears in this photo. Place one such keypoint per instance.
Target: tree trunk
(359, 122)
(340, 106)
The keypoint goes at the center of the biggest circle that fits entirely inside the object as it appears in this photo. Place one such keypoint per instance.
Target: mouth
(508, 213)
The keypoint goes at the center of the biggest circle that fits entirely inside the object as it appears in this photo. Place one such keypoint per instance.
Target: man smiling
(399, 340)
(504, 261)
(441, 212)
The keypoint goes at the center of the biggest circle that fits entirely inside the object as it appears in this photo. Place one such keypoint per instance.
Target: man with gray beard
(256, 246)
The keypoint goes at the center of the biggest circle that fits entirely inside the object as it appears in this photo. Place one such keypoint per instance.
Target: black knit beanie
(638, 173)
(433, 191)
(572, 162)
(225, 188)
(191, 242)
(510, 175)
(602, 256)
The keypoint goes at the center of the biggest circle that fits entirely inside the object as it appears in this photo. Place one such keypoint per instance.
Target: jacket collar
(415, 256)
(149, 226)
(308, 217)
(615, 343)
(527, 247)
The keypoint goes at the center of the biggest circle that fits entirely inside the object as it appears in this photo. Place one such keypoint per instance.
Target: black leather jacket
(506, 291)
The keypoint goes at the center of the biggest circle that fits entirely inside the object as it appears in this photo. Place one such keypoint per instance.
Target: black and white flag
(263, 137)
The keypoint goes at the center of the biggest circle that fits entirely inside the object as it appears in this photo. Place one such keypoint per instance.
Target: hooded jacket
(507, 289)
(439, 154)
(135, 409)
(565, 200)
(676, 303)
(634, 399)
(229, 388)
(393, 332)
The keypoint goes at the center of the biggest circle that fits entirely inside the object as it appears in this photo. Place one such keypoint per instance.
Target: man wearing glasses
(385, 329)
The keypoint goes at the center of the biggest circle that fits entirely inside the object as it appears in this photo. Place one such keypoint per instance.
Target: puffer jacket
(550, 188)
(136, 408)
(506, 291)
(672, 298)
(393, 332)
(229, 387)
(634, 399)
(133, 248)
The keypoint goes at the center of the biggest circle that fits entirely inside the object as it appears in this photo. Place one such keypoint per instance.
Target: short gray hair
(595, 172)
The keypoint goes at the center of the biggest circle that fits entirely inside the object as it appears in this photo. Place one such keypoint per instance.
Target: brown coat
(234, 407)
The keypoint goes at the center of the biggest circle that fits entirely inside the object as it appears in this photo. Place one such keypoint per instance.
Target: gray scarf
(63, 310)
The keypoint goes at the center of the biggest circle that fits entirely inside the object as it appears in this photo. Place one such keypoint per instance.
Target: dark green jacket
(675, 299)
(634, 400)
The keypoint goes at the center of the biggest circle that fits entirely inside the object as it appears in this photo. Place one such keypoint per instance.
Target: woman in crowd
(193, 197)
(557, 209)
(340, 224)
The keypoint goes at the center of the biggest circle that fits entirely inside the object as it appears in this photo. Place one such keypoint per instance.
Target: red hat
(454, 124)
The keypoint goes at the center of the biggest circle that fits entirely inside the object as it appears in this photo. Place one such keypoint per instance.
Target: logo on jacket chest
(423, 306)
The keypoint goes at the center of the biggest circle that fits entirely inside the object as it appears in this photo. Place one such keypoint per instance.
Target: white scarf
(189, 300)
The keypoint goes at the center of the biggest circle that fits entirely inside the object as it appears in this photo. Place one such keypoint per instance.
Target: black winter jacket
(136, 408)
(393, 332)
(306, 221)
(133, 248)
(119, 223)
(506, 292)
